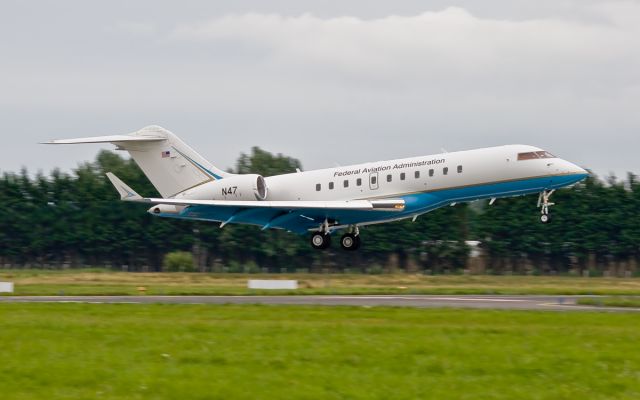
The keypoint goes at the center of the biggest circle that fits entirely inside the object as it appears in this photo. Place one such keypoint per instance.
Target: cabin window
(389, 178)
(402, 176)
(346, 183)
(417, 174)
(445, 170)
(459, 169)
(330, 185)
(359, 182)
(430, 172)
(534, 155)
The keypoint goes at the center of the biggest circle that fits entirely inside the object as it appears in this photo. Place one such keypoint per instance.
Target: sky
(330, 83)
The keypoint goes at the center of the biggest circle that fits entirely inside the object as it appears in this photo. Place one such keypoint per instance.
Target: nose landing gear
(544, 204)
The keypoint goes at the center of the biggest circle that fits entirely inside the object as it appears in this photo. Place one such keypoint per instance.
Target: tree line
(77, 220)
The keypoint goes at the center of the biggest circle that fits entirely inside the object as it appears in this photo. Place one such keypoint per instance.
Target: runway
(557, 303)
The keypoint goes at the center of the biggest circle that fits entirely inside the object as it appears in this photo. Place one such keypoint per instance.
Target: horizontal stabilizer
(126, 193)
(108, 139)
(169, 163)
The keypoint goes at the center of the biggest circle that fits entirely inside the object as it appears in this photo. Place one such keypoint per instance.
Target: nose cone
(574, 169)
(575, 173)
(568, 168)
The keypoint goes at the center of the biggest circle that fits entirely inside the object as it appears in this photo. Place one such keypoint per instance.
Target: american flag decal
(166, 154)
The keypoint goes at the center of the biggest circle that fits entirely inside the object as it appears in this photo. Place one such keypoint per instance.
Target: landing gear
(544, 204)
(350, 242)
(320, 240)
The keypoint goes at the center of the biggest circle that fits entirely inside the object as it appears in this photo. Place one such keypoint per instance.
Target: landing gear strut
(321, 239)
(544, 204)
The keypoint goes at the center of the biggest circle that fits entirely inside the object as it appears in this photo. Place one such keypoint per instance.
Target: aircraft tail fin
(126, 193)
(169, 163)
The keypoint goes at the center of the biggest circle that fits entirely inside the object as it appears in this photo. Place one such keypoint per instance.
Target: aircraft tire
(350, 242)
(320, 241)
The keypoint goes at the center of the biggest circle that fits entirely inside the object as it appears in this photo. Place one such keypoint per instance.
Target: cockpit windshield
(533, 155)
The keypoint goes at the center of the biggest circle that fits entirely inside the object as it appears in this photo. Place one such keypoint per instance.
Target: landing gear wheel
(350, 242)
(320, 241)
(545, 218)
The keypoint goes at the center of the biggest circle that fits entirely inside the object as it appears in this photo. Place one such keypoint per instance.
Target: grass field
(102, 282)
(124, 351)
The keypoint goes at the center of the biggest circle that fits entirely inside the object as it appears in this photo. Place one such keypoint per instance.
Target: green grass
(87, 351)
(610, 301)
(102, 282)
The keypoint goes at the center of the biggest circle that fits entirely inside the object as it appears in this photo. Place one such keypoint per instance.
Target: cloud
(463, 79)
(325, 87)
(441, 50)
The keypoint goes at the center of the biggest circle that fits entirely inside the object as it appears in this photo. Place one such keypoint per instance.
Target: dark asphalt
(558, 303)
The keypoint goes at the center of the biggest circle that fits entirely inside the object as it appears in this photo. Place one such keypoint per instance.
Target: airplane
(321, 202)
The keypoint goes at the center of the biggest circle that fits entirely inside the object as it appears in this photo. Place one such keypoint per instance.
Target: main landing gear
(321, 239)
(351, 240)
(544, 204)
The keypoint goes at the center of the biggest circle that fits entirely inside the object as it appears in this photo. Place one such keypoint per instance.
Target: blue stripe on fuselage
(430, 200)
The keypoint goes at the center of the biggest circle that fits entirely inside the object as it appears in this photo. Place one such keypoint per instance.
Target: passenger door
(373, 180)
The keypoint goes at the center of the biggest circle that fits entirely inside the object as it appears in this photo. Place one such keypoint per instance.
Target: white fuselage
(422, 183)
(478, 167)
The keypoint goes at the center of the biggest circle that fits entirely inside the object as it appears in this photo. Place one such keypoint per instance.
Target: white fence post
(271, 284)
(6, 287)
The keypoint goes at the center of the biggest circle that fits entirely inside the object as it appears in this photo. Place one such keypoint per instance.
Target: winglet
(126, 193)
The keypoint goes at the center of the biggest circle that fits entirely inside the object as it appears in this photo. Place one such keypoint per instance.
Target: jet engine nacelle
(250, 187)
(240, 187)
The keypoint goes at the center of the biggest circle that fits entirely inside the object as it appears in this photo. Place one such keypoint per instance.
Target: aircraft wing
(295, 216)
(126, 193)
(380, 205)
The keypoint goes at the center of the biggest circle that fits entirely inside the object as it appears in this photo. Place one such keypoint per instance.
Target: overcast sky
(326, 82)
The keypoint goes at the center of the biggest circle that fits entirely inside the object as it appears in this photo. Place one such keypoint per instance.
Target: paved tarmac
(557, 303)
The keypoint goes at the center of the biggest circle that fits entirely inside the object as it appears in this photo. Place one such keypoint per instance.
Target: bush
(375, 269)
(178, 261)
(252, 268)
(235, 267)
(249, 267)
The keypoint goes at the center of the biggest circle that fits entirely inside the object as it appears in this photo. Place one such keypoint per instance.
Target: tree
(77, 219)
